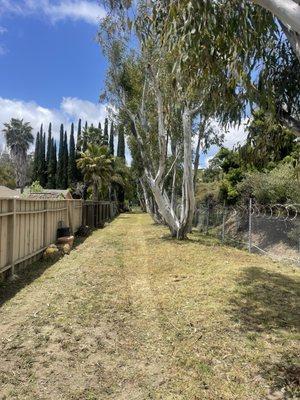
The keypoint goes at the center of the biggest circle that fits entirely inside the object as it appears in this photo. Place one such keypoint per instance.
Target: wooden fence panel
(28, 226)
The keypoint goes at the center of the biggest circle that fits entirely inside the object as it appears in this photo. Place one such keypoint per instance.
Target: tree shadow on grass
(26, 275)
(266, 301)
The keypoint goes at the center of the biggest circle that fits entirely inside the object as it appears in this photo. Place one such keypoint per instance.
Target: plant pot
(63, 232)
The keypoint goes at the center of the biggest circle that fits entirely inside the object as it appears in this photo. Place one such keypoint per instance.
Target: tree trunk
(294, 39)
(95, 191)
(188, 193)
(287, 11)
(19, 159)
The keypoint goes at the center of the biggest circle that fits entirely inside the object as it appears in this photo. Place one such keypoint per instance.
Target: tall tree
(49, 143)
(72, 170)
(43, 164)
(105, 133)
(18, 138)
(66, 161)
(52, 166)
(111, 140)
(36, 161)
(78, 142)
(84, 138)
(121, 143)
(60, 165)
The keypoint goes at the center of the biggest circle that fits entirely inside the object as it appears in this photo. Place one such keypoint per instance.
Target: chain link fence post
(223, 222)
(250, 227)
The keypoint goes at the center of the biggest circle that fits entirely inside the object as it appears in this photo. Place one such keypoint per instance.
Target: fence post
(13, 238)
(207, 219)
(250, 226)
(45, 222)
(223, 222)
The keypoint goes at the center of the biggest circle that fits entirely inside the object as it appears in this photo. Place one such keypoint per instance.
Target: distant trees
(58, 168)
(18, 136)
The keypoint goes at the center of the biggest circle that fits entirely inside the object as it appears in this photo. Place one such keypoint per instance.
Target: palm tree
(18, 138)
(96, 166)
(120, 180)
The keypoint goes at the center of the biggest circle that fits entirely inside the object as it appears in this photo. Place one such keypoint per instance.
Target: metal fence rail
(272, 229)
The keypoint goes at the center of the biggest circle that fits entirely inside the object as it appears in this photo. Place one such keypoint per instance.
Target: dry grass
(131, 315)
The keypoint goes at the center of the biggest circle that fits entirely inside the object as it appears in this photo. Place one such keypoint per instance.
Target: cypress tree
(42, 163)
(51, 183)
(72, 170)
(36, 161)
(105, 134)
(60, 164)
(49, 149)
(78, 143)
(99, 126)
(111, 140)
(84, 141)
(66, 161)
(49, 143)
(78, 151)
(121, 143)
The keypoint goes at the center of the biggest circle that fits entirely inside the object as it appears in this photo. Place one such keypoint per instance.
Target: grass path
(131, 314)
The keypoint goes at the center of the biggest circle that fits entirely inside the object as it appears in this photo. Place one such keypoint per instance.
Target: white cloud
(236, 134)
(70, 110)
(88, 11)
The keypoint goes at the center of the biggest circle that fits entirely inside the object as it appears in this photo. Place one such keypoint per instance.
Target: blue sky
(51, 68)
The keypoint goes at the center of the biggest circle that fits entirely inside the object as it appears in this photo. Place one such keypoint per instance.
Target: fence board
(28, 226)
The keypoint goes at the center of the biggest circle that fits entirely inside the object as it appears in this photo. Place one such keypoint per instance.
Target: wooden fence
(28, 226)
(95, 213)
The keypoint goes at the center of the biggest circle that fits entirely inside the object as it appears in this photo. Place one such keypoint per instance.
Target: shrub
(277, 186)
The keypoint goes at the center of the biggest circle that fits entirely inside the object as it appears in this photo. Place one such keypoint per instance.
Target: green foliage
(268, 142)
(18, 136)
(61, 164)
(52, 166)
(121, 143)
(72, 167)
(281, 185)
(35, 187)
(96, 166)
(111, 139)
(7, 177)
(105, 133)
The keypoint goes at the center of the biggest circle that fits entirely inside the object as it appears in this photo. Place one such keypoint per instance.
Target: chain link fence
(266, 229)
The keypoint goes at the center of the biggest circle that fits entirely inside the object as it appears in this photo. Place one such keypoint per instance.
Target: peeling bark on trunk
(188, 193)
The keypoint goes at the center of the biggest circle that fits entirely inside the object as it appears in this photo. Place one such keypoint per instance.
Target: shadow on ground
(9, 288)
(266, 301)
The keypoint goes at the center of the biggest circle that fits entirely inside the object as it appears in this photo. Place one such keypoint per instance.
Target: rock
(66, 248)
(51, 252)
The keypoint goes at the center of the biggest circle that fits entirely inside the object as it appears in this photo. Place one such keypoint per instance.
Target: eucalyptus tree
(288, 13)
(18, 138)
(238, 49)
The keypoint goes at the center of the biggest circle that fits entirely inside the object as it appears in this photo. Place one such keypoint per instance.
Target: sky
(51, 68)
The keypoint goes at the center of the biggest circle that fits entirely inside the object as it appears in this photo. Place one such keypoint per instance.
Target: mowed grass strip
(131, 314)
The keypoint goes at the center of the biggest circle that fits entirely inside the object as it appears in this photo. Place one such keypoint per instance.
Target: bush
(277, 186)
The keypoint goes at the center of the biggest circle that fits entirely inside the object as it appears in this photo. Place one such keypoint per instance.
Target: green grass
(131, 314)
